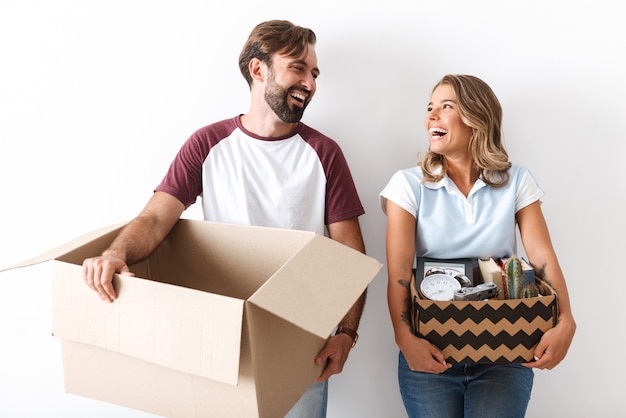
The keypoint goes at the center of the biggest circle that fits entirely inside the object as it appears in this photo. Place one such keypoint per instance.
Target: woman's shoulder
(415, 172)
(519, 171)
(517, 168)
(404, 178)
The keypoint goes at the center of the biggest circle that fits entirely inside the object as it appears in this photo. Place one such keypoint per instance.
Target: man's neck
(269, 126)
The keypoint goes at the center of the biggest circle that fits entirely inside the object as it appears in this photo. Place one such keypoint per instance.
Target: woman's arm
(555, 343)
(419, 353)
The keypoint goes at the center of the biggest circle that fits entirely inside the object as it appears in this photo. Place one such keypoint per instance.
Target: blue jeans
(312, 404)
(466, 390)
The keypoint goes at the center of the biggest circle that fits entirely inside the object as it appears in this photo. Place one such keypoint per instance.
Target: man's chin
(292, 118)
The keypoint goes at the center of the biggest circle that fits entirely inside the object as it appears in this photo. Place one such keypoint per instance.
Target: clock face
(439, 287)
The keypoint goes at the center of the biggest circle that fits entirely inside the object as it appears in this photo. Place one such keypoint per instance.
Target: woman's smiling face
(448, 134)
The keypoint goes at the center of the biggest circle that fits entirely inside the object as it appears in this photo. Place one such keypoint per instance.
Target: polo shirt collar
(449, 184)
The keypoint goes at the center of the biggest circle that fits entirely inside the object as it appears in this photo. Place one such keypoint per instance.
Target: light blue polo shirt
(449, 225)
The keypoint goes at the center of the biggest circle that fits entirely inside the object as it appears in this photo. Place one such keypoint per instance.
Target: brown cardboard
(485, 331)
(221, 320)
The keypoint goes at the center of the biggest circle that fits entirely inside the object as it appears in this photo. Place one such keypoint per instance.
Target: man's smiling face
(291, 84)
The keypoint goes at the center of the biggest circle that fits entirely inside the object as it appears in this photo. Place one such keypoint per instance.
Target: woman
(464, 200)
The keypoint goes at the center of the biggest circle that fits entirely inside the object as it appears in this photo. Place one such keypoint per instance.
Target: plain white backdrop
(96, 97)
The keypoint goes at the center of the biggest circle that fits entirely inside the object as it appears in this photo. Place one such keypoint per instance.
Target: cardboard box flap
(317, 286)
(66, 247)
(172, 326)
(281, 351)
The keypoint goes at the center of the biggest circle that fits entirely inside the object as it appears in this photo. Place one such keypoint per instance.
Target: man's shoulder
(209, 135)
(224, 126)
(316, 138)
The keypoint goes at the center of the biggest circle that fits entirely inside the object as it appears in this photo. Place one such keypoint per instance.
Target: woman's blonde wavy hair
(480, 109)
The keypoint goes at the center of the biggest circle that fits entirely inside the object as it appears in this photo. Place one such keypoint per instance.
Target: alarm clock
(439, 286)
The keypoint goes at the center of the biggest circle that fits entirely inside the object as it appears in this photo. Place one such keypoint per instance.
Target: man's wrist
(114, 255)
(349, 332)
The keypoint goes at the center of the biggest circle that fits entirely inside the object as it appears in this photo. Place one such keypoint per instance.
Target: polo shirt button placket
(469, 216)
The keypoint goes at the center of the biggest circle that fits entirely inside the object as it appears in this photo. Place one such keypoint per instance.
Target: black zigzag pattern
(485, 338)
(462, 312)
(500, 360)
(493, 331)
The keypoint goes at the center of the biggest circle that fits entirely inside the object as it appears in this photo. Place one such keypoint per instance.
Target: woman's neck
(462, 174)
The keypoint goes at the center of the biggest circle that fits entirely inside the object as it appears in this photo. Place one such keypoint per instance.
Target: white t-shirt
(301, 181)
(449, 225)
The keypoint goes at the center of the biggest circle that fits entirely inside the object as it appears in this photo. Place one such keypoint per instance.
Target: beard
(277, 98)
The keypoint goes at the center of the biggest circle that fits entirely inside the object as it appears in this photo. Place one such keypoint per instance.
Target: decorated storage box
(485, 331)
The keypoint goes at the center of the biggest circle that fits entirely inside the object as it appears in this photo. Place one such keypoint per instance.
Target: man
(262, 168)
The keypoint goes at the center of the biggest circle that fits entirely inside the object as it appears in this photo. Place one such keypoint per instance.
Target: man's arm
(134, 243)
(336, 351)
(349, 233)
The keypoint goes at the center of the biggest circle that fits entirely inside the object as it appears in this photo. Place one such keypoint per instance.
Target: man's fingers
(88, 274)
(98, 275)
(107, 279)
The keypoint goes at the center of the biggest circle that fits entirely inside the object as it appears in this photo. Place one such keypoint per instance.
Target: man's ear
(258, 70)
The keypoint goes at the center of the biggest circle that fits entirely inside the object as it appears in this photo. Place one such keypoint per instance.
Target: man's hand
(334, 354)
(98, 274)
(134, 243)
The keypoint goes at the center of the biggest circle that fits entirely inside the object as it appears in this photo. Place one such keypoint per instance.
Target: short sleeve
(399, 191)
(528, 191)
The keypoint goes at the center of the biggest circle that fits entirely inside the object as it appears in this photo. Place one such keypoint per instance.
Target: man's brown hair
(274, 36)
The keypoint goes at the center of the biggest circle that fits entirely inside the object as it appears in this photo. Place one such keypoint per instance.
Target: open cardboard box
(221, 320)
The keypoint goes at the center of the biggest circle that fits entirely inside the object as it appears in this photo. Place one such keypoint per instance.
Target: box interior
(188, 256)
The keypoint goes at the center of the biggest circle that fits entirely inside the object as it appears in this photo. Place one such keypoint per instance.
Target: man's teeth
(297, 96)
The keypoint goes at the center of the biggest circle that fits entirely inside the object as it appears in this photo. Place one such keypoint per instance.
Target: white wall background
(96, 97)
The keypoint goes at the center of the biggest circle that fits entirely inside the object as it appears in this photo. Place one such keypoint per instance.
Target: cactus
(514, 277)
(518, 285)
(529, 291)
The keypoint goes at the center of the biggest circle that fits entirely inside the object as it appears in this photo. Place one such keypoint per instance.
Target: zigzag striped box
(491, 331)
